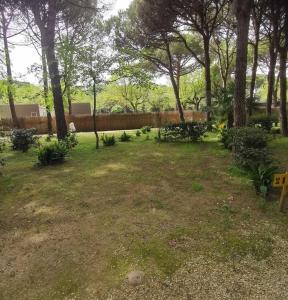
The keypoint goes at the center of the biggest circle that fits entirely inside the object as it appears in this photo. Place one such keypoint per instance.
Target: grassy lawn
(179, 212)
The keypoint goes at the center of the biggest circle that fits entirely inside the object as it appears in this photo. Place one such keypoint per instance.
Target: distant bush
(2, 164)
(249, 146)
(2, 144)
(108, 141)
(138, 133)
(23, 139)
(146, 129)
(71, 140)
(52, 153)
(262, 121)
(125, 137)
(192, 131)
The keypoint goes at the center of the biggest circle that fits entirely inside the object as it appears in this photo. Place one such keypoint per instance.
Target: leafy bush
(71, 140)
(125, 137)
(52, 153)
(250, 146)
(2, 144)
(146, 129)
(23, 139)
(262, 121)
(2, 164)
(226, 138)
(192, 131)
(108, 141)
(138, 133)
(262, 177)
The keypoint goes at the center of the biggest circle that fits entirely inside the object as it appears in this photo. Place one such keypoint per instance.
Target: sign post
(281, 181)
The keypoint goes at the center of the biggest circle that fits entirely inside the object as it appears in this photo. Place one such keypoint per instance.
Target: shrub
(226, 138)
(192, 131)
(138, 133)
(2, 164)
(250, 147)
(125, 137)
(71, 140)
(23, 139)
(262, 177)
(52, 153)
(108, 141)
(262, 121)
(146, 129)
(2, 144)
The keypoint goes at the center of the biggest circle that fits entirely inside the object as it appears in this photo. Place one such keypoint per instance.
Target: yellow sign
(281, 180)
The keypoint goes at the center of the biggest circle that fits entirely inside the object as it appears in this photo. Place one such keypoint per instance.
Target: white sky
(23, 56)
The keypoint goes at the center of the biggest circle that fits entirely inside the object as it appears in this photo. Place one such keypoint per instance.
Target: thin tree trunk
(54, 72)
(271, 78)
(208, 86)
(94, 113)
(242, 10)
(69, 98)
(275, 92)
(283, 92)
(9, 73)
(254, 73)
(46, 89)
(176, 88)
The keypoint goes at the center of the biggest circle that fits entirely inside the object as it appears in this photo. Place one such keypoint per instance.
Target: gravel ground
(208, 279)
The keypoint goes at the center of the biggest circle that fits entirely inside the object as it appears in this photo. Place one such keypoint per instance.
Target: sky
(23, 57)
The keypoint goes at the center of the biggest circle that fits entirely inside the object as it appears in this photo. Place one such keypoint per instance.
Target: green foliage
(262, 177)
(191, 131)
(2, 144)
(249, 146)
(23, 139)
(108, 141)
(52, 153)
(146, 129)
(125, 137)
(226, 138)
(262, 121)
(138, 133)
(71, 140)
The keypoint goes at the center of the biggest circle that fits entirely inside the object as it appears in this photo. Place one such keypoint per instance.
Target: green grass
(83, 225)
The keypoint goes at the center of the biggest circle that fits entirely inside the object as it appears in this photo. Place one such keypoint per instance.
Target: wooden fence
(108, 122)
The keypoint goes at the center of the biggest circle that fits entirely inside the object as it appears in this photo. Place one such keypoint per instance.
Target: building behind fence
(108, 122)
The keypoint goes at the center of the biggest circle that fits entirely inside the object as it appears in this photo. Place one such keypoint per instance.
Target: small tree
(96, 61)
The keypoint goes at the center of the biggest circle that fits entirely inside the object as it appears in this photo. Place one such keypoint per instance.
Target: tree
(46, 14)
(7, 16)
(163, 50)
(96, 64)
(242, 10)
(202, 17)
(258, 9)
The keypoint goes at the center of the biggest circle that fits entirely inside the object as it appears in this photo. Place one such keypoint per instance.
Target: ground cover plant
(181, 214)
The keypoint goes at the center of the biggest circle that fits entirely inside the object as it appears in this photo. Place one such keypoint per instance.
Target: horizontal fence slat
(109, 122)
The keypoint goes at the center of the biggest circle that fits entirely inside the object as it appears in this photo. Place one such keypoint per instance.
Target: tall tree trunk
(242, 10)
(208, 86)
(94, 113)
(283, 92)
(176, 88)
(54, 71)
(254, 72)
(46, 89)
(9, 72)
(271, 78)
(69, 98)
(275, 92)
